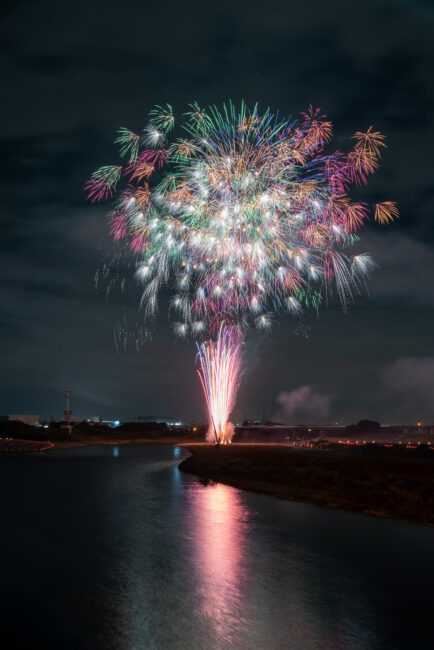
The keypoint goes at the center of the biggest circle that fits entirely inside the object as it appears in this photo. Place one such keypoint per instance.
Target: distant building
(32, 420)
(95, 420)
(165, 419)
(112, 423)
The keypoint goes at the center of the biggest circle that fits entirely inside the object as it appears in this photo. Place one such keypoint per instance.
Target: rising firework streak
(219, 371)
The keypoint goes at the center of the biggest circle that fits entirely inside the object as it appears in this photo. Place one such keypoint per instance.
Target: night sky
(72, 73)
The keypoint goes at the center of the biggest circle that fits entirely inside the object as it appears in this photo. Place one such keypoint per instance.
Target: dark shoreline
(10, 446)
(398, 488)
(19, 446)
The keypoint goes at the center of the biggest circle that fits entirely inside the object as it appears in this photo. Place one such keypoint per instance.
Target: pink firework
(219, 373)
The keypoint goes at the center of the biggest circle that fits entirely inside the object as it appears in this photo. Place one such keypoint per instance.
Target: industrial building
(165, 419)
(32, 420)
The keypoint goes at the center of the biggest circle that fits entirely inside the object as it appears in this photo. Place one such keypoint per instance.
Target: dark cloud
(72, 73)
(410, 381)
(406, 269)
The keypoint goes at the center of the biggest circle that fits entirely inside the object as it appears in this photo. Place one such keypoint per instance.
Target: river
(114, 547)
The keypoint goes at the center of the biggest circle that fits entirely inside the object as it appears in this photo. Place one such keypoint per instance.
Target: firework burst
(242, 216)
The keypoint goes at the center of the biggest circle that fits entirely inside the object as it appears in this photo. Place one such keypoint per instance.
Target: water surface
(114, 547)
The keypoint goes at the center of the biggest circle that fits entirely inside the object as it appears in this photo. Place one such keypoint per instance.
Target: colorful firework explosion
(242, 217)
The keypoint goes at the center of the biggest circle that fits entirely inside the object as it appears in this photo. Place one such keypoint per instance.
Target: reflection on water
(177, 452)
(114, 547)
(220, 524)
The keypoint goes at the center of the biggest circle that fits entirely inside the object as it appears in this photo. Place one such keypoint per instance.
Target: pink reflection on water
(220, 533)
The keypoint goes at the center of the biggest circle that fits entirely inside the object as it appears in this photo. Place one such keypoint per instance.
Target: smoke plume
(304, 402)
(225, 435)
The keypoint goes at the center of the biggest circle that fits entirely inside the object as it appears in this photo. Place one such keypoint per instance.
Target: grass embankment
(388, 487)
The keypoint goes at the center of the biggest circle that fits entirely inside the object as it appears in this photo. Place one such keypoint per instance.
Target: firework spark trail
(219, 373)
(242, 218)
(249, 217)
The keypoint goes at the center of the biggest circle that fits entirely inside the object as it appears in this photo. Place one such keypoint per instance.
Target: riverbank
(114, 438)
(9, 446)
(400, 488)
(17, 445)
